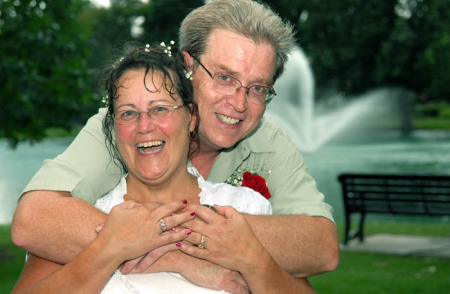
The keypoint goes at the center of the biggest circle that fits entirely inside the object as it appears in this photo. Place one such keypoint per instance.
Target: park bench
(392, 194)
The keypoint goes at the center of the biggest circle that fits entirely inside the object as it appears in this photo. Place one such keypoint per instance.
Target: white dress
(241, 198)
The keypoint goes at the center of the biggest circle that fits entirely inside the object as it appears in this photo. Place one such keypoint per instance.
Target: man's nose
(239, 99)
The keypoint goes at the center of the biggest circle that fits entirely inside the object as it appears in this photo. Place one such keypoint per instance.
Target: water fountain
(295, 110)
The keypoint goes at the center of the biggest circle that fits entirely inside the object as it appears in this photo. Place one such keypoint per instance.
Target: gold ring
(202, 242)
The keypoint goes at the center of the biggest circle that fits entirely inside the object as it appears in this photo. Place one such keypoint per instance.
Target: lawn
(358, 272)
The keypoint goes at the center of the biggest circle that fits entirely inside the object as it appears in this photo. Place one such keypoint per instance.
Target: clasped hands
(229, 242)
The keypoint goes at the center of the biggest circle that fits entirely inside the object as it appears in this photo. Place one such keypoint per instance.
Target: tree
(163, 19)
(44, 71)
(355, 46)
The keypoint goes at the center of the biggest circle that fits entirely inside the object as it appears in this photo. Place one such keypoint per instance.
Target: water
(424, 152)
(18, 166)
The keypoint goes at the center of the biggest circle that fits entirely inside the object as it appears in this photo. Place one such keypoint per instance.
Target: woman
(152, 115)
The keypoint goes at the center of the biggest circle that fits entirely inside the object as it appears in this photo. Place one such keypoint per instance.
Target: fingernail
(192, 213)
(184, 201)
(188, 232)
(178, 244)
(173, 229)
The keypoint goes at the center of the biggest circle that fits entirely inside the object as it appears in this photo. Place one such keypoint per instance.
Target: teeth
(150, 147)
(149, 144)
(227, 119)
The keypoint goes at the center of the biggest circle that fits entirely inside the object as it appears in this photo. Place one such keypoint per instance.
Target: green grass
(373, 273)
(358, 272)
(12, 259)
(370, 273)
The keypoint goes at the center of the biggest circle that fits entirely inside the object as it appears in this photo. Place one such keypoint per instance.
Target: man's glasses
(227, 85)
(128, 116)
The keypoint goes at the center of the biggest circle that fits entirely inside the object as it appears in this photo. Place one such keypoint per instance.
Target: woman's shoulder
(113, 197)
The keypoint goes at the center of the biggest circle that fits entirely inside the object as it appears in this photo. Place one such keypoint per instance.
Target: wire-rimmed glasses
(226, 84)
(128, 116)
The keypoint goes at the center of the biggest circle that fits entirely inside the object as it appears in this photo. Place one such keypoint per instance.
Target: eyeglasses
(128, 116)
(228, 85)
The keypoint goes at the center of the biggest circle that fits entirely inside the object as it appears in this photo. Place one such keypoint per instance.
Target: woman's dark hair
(161, 59)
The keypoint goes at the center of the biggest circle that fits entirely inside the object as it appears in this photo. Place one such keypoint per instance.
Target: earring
(188, 74)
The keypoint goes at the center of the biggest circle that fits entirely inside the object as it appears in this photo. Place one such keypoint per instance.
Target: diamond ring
(162, 225)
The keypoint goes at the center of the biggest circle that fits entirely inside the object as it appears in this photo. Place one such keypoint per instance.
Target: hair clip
(167, 49)
(105, 100)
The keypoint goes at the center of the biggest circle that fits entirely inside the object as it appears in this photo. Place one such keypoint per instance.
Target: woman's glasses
(128, 116)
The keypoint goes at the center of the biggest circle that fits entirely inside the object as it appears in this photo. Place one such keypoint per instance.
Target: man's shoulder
(268, 134)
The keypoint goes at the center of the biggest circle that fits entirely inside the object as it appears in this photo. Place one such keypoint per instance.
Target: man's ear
(193, 121)
(188, 60)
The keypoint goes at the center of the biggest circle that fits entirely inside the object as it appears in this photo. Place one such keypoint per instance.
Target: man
(236, 50)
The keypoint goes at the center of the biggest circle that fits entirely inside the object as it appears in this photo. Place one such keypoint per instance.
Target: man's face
(227, 119)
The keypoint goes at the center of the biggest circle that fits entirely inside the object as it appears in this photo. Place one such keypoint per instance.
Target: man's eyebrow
(238, 76)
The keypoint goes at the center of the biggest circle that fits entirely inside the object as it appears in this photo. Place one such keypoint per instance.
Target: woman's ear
(188, 61)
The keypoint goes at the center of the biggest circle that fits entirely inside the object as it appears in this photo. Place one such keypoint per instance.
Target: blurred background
(367, 90)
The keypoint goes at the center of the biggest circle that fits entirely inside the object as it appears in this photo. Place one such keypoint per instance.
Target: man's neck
(204, 161)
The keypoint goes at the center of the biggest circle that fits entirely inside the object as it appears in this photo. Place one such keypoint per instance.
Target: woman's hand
(229, 240)
(131, 230)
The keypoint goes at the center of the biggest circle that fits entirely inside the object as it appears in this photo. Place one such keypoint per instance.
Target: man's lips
(227, 119)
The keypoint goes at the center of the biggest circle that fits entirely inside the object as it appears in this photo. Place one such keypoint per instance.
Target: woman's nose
(145, 123)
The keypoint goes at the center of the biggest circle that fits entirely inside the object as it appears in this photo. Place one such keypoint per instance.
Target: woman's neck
(182, 187)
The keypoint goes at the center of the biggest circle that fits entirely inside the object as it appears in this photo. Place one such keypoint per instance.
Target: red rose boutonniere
(257, 183)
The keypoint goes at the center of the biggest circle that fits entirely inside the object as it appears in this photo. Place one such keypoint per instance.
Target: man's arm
(302, 245)
(54, 225)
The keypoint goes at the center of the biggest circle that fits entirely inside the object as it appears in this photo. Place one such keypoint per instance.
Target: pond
(424, 152)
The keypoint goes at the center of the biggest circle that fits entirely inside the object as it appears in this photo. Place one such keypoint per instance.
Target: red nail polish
(178, 244)
(184, 201)
(173, 229)
(188, 232)
(192, 213)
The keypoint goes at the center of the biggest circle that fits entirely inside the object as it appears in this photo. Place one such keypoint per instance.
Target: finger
(194, 238)
(173, 237)
(205, 213)
(129, 204)
(129, 265)
(227, 211)
(169, 208)
(236, 288)
(153, 256)
(175, 220)
(193, 249)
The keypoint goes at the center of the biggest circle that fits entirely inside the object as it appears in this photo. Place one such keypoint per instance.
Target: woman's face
(227, 119)
(152, 149)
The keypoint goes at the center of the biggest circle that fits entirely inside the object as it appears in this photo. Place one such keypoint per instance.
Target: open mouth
(150, 147)
(227, 119)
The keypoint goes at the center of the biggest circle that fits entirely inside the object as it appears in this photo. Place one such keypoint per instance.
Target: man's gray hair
(247, 18)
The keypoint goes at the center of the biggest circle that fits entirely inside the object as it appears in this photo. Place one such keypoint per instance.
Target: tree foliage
(51, 49)
(44, 71)
(359, 45)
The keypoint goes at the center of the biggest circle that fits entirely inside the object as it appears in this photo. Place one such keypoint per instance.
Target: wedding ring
(202, 242)
(162, 225)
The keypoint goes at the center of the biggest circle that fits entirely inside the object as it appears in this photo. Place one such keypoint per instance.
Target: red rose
(257, 183)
